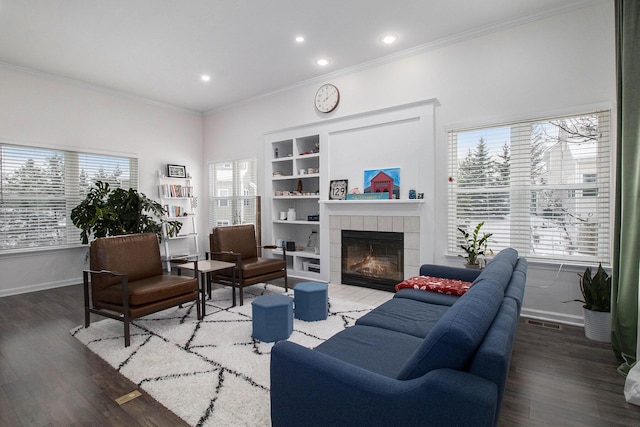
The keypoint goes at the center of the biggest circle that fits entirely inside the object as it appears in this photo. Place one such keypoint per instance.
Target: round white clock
(327, 98)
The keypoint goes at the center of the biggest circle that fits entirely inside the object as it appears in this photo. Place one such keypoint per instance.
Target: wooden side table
(205, 268)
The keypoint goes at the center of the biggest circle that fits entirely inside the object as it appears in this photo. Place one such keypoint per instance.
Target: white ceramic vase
(597, 325)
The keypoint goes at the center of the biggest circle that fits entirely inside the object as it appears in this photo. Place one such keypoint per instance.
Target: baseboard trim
(39, 287)
(549, 316)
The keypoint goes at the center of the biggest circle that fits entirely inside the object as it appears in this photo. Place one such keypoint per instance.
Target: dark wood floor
(47, 378)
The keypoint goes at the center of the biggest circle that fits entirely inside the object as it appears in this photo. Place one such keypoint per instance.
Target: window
(540, 186)
(39, 187)
(223, 197)
(232, 195)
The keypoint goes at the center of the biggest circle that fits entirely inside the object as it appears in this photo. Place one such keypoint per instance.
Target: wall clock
(327, 98)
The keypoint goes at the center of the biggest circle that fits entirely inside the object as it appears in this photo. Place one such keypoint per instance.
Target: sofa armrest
(313, 389)
(446, 272)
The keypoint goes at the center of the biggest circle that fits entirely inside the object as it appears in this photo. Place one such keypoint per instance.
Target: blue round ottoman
(312, 301)
(272, 317)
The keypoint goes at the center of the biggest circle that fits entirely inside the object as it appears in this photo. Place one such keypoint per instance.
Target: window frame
(238, 201)
(604, 248)
(72, 194)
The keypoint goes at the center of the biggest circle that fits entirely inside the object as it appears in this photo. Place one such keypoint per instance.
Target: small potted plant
(596, 299)
(475, 245)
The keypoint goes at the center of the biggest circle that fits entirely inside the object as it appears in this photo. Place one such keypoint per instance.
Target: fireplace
(374, 259)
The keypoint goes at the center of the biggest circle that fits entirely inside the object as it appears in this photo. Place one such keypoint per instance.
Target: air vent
(543, 324)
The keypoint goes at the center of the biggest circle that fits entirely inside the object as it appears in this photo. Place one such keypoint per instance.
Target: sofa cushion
(429, 297)
(454, 339)
(435, 284)
(501, 266)
(405, 315)
(378, 350)
(517, 283)
(149, 290)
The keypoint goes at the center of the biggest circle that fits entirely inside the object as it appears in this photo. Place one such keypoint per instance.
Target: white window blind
(39, 187)
(540, 186)
(232, 192)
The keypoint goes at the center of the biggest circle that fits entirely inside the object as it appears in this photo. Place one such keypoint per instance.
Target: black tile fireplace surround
(373, 259)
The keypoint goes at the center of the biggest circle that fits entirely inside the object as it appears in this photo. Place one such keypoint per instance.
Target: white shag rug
(209, 372)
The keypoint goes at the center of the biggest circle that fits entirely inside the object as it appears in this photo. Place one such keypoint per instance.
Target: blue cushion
(405, 315)
(427, 296)
(493, 358)
(453, 340)
(447, 272)
(517, 283)
(378, 350)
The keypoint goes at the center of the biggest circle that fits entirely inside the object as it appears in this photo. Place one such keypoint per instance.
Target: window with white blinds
(232, 192)
(542, 187)
(40, 186)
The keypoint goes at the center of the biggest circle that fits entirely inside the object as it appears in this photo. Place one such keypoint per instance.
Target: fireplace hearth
(373, 259)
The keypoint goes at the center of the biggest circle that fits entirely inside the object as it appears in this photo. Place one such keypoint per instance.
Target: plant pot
(597, 325)
(472, 266)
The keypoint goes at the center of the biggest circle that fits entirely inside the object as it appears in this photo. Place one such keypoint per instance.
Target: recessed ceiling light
(299, 39)
(323, 62)
(388, 38)
(205, 77)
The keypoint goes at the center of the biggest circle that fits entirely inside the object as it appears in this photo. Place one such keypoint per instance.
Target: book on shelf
(175, 190)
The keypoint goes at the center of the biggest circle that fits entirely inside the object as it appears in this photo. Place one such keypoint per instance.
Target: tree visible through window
(540, 186)
(39, 187)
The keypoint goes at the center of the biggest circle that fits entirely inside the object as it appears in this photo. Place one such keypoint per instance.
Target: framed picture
(385, 180)
(176, 171)
(338, 189)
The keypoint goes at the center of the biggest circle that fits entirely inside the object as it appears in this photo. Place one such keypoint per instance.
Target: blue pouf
(272, 317)
(312, 301)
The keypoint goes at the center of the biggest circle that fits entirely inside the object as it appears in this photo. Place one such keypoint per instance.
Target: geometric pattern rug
(209, 372)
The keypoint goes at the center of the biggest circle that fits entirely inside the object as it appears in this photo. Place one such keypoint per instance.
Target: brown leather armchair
(126, 281)
(237, 243)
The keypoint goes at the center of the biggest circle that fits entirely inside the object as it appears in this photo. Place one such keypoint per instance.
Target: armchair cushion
(261, 266)
(240, 239)
(149, 290)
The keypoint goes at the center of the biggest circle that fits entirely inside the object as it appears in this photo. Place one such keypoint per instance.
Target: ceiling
(158, 49)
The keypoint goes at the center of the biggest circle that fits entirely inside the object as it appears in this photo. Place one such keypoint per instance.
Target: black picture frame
(338, 189)
(176, 171)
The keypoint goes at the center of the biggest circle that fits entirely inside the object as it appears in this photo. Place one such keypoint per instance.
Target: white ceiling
(157, 49)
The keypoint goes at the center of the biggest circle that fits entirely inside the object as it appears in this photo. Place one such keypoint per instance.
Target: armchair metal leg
(87, 316)
(127, 331)
(199, 312)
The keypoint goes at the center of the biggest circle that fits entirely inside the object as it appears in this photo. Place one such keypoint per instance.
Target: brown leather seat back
(235, 238)
(137, 255)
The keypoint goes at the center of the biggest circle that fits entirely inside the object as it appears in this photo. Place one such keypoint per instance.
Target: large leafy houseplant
(112, 212)
(475, 245)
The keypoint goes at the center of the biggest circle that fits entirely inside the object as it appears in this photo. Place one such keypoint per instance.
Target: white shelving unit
(176, 195)
(294, 183)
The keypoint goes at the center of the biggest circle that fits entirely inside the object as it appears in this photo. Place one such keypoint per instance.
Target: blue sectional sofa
(421, 359)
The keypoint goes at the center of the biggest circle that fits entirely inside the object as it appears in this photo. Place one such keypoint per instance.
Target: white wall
(52, 112)
(558, 64)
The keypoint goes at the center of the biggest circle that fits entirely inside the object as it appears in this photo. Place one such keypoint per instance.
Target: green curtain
(626, 257)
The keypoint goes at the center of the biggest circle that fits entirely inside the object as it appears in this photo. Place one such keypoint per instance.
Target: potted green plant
(596, 299)
(475, 245)
(112, 212)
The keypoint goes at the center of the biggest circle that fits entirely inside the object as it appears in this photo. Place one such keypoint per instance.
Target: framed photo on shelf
(338, 189)
(176, 171)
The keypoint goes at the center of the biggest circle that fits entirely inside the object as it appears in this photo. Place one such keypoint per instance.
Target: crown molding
(95, 87)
